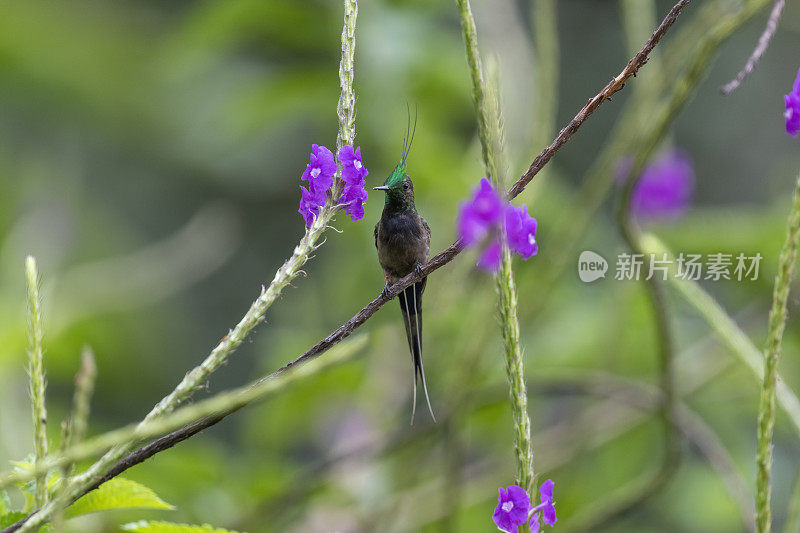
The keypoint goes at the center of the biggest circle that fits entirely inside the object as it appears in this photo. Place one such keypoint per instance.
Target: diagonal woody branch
(613, 87)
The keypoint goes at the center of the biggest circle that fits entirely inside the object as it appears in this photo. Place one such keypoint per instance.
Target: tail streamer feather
(411, 306)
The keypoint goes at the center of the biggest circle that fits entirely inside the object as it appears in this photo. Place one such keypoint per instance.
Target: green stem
(37, 380)
(772, 350)
(74, 428)
(517, 392)
(487, 104)
(78, 421)
(470, 34)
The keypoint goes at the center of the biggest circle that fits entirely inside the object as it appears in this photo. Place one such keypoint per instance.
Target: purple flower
(484, 215)
(664, 190)
(490, 258)
(310, 204)
(353, 199)
(353, 174)
(320, 170)
(319, 173)
(521, 231)
(512, 509)
(352, 168)
(546, 507)
(792, 114)
(480, 214)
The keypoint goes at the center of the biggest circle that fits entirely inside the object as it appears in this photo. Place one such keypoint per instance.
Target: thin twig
(613, 87)
(761, 48)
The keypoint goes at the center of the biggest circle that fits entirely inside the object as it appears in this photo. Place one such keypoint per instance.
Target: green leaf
(11, 518)
(168, 527)
(117, 493)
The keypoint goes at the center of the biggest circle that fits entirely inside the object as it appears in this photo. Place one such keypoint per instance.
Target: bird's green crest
(396, 178)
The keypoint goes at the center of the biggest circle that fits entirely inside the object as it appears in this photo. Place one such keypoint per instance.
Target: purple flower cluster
(514, 508)
(792, 114)
(353, 174)
(664, 190)
(319, 173)
(485, 215)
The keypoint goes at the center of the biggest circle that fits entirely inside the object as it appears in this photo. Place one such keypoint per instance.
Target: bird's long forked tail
(411, 306)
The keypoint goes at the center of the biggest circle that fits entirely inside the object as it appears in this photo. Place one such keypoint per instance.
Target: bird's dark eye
(405, 186)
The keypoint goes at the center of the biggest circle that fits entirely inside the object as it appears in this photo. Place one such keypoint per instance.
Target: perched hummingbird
(403, 240)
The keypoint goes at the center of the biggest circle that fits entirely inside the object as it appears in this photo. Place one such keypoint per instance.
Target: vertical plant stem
(74, 428)
(490, 133)
(36, 372)
(518, 394)
(78, 421)
(507, 298)
(346, 107)
(772, 350)
(470, 34)
(197, 377)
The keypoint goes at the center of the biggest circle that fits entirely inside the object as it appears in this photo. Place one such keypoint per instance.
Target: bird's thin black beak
(381, 188)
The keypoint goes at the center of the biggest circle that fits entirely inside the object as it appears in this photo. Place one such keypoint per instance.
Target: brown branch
(614, 86)
(761, 48)
(438, 261)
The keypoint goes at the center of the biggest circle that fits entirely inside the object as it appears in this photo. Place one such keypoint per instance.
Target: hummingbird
(403, 238)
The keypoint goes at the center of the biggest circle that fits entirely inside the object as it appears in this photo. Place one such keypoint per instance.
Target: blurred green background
(150, 155)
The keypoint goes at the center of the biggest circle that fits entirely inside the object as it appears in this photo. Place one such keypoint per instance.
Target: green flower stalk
(507, 300)
(78, 421)
(490, 133)
(517, 392)
(36, 372)
(470, 34)
(772, 350)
